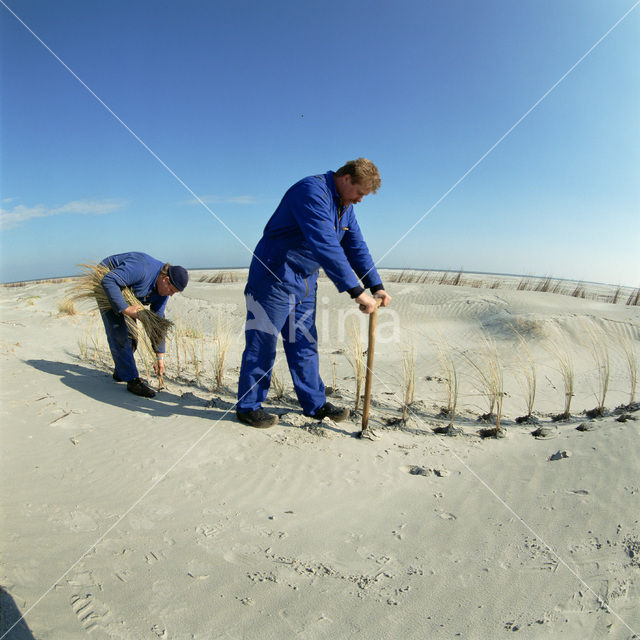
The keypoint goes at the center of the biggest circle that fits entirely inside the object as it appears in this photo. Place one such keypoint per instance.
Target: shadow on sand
(100, 387)
(12, 625)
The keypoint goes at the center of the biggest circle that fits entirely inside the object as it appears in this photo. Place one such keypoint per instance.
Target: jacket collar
(331, 183)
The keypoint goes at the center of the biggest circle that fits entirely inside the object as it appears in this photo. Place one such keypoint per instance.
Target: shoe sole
(259, 426)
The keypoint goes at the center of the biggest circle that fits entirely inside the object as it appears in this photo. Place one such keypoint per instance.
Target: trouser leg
(121, 345)
(300, 339)
(264, 321)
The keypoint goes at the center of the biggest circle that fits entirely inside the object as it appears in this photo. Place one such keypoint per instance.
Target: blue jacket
(309, 230)
(139, 272)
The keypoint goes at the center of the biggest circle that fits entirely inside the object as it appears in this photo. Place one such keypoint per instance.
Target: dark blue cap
(178, 276)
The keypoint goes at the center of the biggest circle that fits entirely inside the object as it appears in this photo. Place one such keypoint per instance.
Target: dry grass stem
(67, 307)
(178, 362)
(356, 359)
(545, 284)
(527, 376)
(219, 278)
(634, 298)
(489, 378)
(196, 363)
(408, 380)
(627, 346)
(450, 375)
(600, 353)
(559, 349)
(277, 385)
(221, 343)
(334, 373)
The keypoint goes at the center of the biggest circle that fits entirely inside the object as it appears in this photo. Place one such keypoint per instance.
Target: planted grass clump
(600, 353)
(176, 345)
(634, 298)
(189, 351)
(545, 284)
(561, 351)
(67, 307)
(453, 279)
(627, 346)
(450, 377)
(29, 300)
(408, 381)
(489, 378)
(221, 343)
(197, 362)
(334, 374)
(90, 347)
(420, 277)
(219, 278)
(89, 286)
(355, 356)
(579, 291)
(527, 379)
(24, 283)
(277, 385)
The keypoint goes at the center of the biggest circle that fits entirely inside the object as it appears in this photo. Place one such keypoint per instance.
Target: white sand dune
(129, 518)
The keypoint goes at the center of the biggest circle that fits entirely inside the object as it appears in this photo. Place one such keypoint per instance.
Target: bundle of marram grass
(89, 286)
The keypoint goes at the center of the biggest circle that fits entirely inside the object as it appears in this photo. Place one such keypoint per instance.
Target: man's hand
(132, 311)
(158, 366)
(384, 297)
(367, 303)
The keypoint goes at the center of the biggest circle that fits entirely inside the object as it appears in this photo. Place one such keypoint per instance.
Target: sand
(135, 518)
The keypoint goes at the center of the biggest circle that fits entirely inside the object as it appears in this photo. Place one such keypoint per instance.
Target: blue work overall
(309, 230)
(139, 272)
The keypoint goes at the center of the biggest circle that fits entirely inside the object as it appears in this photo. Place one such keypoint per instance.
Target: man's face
(165, 288)
(352, 192)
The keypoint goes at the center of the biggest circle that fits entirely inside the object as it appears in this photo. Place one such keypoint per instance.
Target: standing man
(314, 226)
(153, 283)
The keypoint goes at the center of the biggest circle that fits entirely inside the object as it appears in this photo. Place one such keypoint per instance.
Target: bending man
(153, 283)
(314, 226)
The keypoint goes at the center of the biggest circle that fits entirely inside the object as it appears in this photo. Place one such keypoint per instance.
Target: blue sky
(243, 98)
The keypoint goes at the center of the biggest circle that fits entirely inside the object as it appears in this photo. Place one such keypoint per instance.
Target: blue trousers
(121, 344)
(269, 315)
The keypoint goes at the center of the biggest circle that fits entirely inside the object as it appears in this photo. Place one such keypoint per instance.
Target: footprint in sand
(90, 612)
(152, 557)
(82, 579)
(397, 533)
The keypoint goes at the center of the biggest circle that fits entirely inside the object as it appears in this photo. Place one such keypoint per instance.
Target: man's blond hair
(363, 172)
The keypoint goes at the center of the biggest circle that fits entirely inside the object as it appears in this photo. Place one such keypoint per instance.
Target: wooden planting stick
(373, 322)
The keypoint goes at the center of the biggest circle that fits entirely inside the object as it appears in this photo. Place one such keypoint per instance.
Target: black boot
(140, 388)
(328, 410)
(258, 418)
